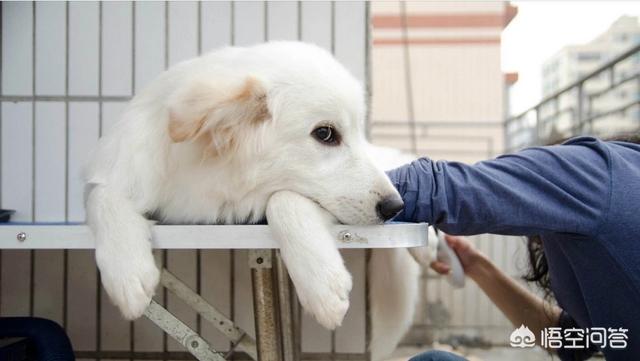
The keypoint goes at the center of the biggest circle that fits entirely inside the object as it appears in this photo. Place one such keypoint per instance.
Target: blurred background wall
(437, 84)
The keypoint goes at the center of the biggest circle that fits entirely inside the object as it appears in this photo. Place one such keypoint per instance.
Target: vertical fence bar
(408, 76)
(589, 113)
(612, 77)
(132, 324)
(637, 106)
(556, 110)
(538, 132)
(98, 283)
(580, 109)
(367, 66)
(32, 253)
(65, 311)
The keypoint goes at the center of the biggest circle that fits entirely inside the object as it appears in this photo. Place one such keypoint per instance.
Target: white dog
(272, 130)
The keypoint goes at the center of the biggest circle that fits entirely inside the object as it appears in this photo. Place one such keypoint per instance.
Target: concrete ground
(478, 354)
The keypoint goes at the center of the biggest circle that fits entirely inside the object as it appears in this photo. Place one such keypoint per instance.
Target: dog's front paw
(325, 294)
(130, 282)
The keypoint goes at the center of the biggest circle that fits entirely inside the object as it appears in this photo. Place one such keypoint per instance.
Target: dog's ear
(217, 115)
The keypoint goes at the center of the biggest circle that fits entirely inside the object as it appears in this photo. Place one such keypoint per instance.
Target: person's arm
(517, 303)
(546, 189)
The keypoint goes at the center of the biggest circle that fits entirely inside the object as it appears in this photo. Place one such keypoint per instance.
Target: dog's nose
(388, 207)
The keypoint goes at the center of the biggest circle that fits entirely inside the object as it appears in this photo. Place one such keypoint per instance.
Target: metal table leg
(286, 298)
(264, 305)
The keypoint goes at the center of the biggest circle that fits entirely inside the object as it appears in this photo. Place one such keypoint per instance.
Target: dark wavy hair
(538, 271)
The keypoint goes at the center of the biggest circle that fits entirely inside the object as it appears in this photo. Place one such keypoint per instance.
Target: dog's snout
(388, 207)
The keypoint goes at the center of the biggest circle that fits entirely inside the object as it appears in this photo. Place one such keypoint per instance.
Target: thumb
(458, 244)
(453, 241)
(440, 267)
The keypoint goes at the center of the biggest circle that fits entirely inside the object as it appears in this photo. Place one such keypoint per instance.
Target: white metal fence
(67, 71)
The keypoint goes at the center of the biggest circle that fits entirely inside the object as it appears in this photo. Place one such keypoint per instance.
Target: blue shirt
(582, 198)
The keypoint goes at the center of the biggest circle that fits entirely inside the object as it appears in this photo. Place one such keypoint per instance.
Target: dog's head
(287, 117)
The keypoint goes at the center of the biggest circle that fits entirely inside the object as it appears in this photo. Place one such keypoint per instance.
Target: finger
(452, 239)
(440, 267)
(458, 243)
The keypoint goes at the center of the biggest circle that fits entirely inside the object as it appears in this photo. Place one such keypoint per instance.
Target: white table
(78, 236)
(274, 301)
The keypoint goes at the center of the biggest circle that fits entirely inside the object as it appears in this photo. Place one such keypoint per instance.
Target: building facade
(438, 90)
(437, 84)
(574, 62)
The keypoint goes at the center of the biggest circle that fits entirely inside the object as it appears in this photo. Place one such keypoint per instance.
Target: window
(623, 37)
(588, 56)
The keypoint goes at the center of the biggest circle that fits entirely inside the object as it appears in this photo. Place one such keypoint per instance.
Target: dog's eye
(326, 135)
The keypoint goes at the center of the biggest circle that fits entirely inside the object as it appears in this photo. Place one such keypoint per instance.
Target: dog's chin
(355, 218)
(352, 221)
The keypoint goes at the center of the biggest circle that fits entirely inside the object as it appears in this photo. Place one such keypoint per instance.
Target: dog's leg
(311, 256)
(427, 254)
(438, 249)
(393, 293)
(123, 250)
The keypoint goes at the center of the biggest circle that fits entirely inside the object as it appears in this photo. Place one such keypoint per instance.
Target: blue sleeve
(564, 188)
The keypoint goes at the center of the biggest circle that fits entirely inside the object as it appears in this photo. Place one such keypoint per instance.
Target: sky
(542, 28)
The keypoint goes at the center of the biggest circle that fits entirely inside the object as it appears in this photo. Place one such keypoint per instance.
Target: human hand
(466, 252)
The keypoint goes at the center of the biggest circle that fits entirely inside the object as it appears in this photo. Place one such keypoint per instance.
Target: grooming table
(275, 306)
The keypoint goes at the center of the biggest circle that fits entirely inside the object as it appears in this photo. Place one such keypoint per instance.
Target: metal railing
(575, 109)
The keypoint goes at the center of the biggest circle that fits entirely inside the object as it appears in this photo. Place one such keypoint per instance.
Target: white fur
(245, 169)
(393, 278)
(316, 268)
